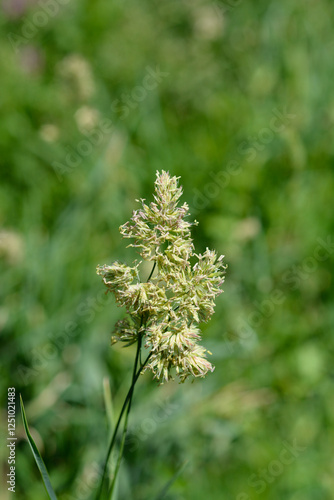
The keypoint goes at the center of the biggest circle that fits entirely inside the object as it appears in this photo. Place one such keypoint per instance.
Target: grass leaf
(37, 456)
(169, 483)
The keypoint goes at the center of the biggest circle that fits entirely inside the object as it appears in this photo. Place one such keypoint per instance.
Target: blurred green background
(236, 98)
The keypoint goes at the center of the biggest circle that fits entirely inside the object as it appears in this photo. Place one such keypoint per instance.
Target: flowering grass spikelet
(165, 311)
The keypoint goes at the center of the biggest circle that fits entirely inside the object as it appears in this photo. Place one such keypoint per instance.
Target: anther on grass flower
(164, 312)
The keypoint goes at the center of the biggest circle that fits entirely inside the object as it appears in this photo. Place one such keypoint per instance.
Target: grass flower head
(165, 312)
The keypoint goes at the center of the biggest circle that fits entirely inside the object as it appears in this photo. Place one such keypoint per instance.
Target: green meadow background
(236, 97)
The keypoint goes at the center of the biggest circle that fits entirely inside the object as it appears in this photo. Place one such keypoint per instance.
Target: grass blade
(108, 401)
(165, 489)
(37, 456)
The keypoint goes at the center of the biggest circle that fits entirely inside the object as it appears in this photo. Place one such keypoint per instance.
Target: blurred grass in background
(236, 98)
